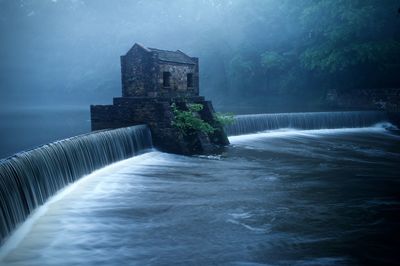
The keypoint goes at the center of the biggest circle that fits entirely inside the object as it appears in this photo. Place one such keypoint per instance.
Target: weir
(29, 178)
(246, 124)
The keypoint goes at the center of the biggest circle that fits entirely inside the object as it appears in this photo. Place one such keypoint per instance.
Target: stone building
(152, 80)
(149, 72)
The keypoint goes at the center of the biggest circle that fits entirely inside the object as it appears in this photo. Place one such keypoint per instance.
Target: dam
(290, 188)
(239, 133)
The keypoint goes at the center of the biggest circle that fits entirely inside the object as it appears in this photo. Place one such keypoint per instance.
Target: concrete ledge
(135, 100)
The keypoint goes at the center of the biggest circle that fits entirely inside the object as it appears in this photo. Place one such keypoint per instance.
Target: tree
(357, 37)
(272, 63)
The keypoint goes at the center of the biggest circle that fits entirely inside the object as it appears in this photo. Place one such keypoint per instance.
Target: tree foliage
(300, 49)
(258, 52)
(347, 34)
(271, 60)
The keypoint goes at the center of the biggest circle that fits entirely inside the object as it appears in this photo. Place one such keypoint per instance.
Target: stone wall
(147, 100)
(138, 73)
(142, 75)
(178, 82)
(157, 114)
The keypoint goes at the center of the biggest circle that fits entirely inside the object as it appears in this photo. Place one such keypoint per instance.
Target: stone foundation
(157, 114)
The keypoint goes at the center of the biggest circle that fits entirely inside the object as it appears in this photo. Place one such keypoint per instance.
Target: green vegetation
(223, 119)
(188, 121)
(254, 53)
(292, 52)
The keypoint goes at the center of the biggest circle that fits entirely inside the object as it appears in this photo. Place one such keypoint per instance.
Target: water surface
(318, 197)
(23, 129)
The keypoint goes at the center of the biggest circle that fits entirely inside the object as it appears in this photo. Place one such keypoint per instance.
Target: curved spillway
(280, 197)
(269, 199)
(29, 178)
(245, 124)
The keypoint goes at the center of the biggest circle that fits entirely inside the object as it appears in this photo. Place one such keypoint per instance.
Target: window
(190, 80)
(167, 79)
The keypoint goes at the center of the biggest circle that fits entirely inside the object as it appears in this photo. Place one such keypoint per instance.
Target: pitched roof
(171, 56)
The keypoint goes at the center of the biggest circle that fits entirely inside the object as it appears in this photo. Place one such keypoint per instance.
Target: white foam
(288, 132)
(19, 234)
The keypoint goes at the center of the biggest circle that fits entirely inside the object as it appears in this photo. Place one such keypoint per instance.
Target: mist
(264, 53)
(67, 52)
(281, 147)
(58, 57)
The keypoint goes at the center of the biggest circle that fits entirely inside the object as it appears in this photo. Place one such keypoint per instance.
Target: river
(283, 197)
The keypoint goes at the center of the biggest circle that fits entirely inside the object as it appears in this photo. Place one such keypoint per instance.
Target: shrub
(188, 121)
(224, 119)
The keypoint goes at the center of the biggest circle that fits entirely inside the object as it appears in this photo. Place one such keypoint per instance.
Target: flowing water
(282, 197)
(29, 178)
(245, 124)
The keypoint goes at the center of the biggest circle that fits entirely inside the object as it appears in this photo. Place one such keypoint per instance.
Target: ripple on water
(250, 207)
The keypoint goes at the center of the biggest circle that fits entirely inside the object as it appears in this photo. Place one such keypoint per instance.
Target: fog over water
(256, 56)
(314, 184)
(67, 52)
(270, 54)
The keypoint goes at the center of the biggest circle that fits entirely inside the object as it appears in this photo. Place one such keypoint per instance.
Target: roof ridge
(156, 49)
(142, 46)
(185, 54)
(173, 56)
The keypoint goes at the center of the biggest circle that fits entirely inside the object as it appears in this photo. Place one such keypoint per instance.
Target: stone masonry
(150, 72)
(152, 80)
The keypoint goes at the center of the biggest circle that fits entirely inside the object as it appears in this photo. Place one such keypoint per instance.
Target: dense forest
(279, 54)
(298, 50)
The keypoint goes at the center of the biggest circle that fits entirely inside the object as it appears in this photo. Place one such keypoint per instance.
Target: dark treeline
(272, 54)
(293, 52)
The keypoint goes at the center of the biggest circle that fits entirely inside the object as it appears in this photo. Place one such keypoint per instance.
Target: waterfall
(29, 178)
(245, 124)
